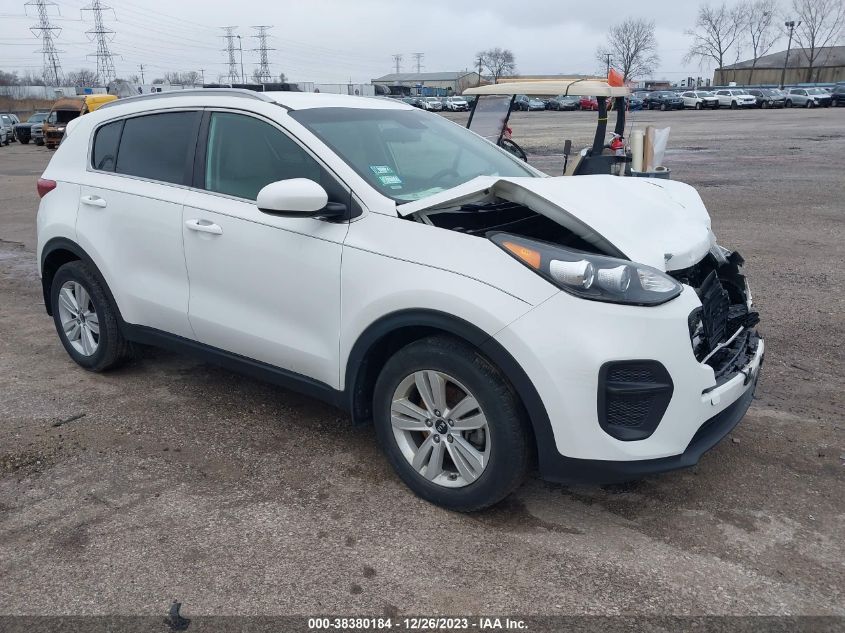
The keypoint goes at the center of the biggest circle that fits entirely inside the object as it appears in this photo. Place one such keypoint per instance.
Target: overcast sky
(339, 40)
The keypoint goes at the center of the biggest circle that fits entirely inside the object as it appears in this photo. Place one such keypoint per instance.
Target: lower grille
(632, 398)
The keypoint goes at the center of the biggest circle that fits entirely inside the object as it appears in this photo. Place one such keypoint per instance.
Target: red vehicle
(588, 103)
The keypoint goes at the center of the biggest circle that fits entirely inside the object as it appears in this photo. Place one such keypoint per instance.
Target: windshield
(407, 154)
(816, 91)
(37, 117)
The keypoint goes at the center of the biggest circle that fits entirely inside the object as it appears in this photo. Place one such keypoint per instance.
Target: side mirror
(296, 197)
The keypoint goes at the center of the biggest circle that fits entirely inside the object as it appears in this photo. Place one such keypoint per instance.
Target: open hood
(660, 223)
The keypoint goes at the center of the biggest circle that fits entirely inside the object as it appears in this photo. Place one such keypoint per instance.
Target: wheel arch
(393, 331)
(59, 251)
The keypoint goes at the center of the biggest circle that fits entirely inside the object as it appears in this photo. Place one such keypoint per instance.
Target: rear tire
(85, 319)
(809, 104)
(733, 105)
(787, 103)
(499, 455)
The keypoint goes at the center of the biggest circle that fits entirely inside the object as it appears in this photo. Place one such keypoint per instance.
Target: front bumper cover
(593, 471)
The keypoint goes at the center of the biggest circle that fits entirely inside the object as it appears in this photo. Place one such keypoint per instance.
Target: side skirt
(237, 363)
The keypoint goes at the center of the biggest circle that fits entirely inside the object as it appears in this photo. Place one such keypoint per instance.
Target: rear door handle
(93, 201)
(203, 226)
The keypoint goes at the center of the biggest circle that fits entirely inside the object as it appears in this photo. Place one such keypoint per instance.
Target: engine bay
(481, 218)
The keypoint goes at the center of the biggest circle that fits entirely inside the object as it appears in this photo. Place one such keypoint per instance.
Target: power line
(230, 49)
(264, 64)
(418, 57)
(102, 35)
(45, 31)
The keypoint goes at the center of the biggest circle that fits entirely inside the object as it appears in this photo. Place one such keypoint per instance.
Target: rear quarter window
(104, 151)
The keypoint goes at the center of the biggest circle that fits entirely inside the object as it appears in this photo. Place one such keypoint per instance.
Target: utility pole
(480, 68)
(230, 49)
(264, 63)
(790, 24)
(202, 73)
(102, 35)
(397, 60)
(46, 32)
(241, 47)
(419, 57)
(141, 68)
(607, 58)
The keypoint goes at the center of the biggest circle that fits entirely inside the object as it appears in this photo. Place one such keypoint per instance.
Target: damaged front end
(722, 331)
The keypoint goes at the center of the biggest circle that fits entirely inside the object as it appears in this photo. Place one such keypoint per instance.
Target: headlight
(590, 276)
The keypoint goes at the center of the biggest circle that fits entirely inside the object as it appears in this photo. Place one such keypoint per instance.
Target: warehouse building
(829, 67)
(444, 83)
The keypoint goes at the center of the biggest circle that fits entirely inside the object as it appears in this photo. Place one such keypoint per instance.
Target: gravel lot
(181, 480)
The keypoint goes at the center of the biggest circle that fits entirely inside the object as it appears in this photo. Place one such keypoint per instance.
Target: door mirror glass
(294, 197)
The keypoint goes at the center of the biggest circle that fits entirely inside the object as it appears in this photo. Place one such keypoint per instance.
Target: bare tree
(84, 78)
(821, 24)
(717, 30)
(189, 78)
(497, 61)
(9, 79)
(759, 29)
(282, 78)
(632, 48)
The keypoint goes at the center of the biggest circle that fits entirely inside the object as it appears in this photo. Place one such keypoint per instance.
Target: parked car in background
(433, 103)
(837, 95)
(768, 97)
(456, 104)
(526, 103)
(564, 102)
(588, 103)
(663, 100)
(578, 325)
(37, 132)
(6, 132)
(634, 103)
(66, 110)
(700, 99)
(735, 98)
(808, 98)
(23, 131)
(9, 121)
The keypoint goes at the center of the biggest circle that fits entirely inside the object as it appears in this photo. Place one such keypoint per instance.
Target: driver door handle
(203, 226)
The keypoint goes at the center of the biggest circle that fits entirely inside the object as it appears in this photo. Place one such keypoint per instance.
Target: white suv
(734, 98)
(483, 316)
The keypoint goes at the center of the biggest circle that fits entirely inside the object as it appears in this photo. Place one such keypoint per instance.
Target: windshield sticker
(381, 170)
(390, 180)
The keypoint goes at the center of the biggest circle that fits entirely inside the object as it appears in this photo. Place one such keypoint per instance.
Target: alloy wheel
(440, 428)
(79, 319)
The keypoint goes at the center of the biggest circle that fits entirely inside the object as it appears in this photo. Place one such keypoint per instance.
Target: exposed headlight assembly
(590, 276)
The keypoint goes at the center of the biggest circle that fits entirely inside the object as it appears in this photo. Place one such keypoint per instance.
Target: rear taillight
(45, 186)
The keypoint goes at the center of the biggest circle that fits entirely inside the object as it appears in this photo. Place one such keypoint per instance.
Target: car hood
(660, 223)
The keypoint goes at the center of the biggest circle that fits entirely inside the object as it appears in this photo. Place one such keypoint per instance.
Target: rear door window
(158, 146)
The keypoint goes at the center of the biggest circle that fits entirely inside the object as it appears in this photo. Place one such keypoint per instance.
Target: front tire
(698, 106)
(451, 425)
(788, 103)
(85, 319)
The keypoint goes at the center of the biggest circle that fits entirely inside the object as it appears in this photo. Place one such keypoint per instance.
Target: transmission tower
(230, 49)
(397, 61)
(263, 64)
(102, 35)
(45, 31)
(418, 57)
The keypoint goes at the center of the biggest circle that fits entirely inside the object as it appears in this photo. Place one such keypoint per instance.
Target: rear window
(156, 146)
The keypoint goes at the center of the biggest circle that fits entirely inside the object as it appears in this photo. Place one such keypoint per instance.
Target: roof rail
(228, 92)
